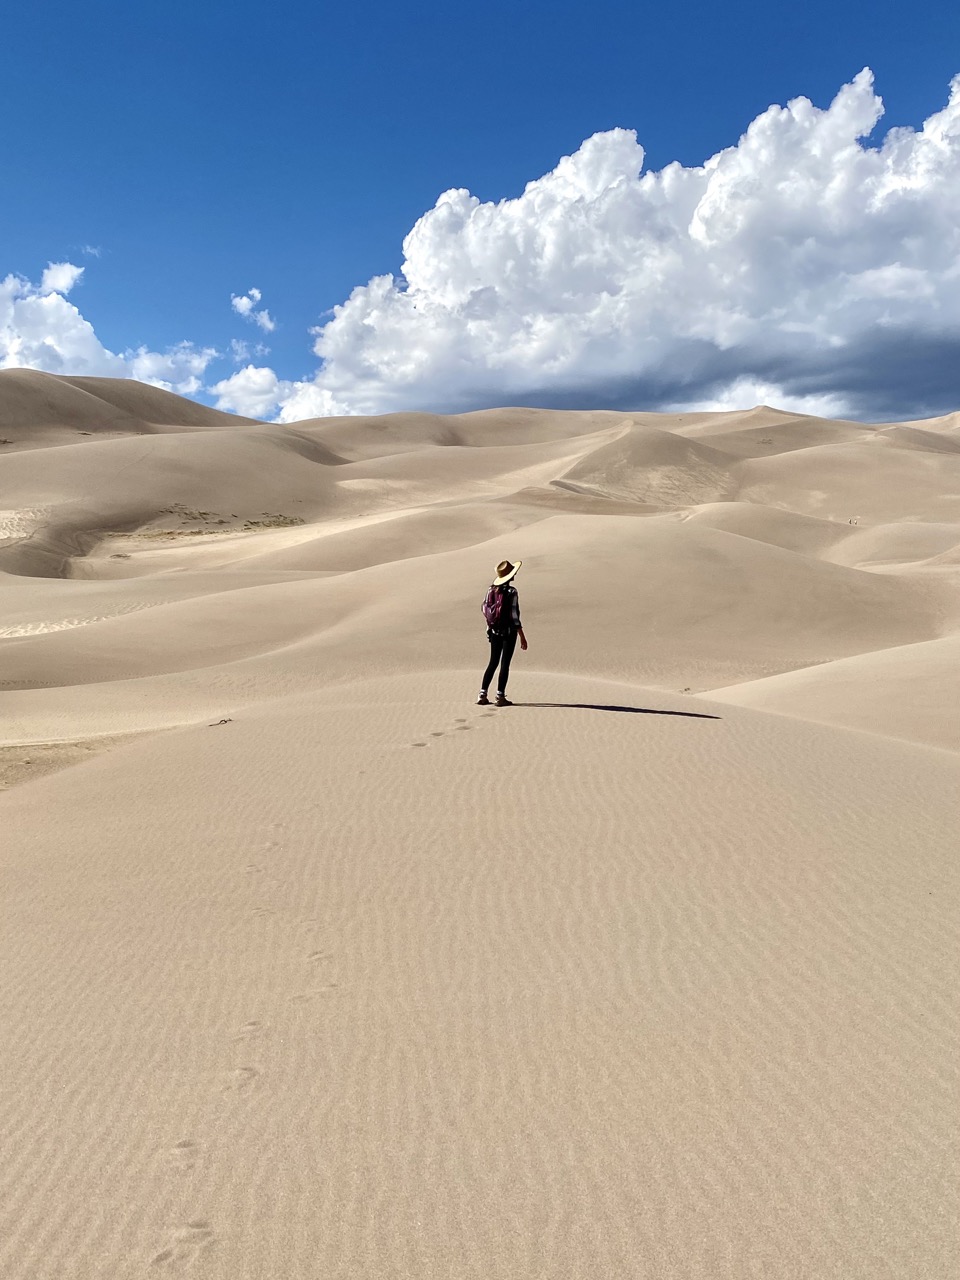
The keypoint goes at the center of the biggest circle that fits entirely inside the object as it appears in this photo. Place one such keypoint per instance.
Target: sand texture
(313, 968)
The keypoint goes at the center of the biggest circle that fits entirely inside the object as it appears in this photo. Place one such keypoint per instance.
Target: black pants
(502, 646)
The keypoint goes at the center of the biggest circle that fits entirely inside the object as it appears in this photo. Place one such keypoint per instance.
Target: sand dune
(37, 409)
(313, 967)
(805, 535)
(895, 545)
(875, 480)
(646, 465)
(910, 692)
(764, 432)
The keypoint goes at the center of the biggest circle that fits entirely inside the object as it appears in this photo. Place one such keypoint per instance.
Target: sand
(311, 967)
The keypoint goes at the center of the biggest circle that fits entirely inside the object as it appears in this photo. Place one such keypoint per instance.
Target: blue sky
(201, 150)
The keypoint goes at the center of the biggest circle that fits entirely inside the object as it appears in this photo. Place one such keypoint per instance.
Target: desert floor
(313, 968)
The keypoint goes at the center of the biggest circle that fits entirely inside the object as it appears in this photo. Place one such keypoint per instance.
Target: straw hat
(505, 571)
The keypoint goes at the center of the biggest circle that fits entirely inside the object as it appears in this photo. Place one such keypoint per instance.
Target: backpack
(496, 608)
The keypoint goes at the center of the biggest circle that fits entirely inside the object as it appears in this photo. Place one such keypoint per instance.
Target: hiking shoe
(483, 700)
(503, 701)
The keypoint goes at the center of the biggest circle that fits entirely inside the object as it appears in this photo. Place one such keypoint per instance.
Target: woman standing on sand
(501, 608)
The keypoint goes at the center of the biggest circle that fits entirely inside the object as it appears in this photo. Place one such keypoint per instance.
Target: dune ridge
(313, 967)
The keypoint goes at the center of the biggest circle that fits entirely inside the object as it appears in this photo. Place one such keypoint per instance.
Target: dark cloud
(888, 375)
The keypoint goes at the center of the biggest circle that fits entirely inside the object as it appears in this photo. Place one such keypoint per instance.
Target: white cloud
(801, 262)
(257, 392)
(241, 351)
(60, 277)
(746, 392)
(180, 369)
(40, 329)
(244, 304)
(252, 392)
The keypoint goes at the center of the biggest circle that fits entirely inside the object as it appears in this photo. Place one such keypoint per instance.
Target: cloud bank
(804, 267)
(41, 329)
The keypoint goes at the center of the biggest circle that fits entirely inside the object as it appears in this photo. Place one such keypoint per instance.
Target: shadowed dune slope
(153, 404)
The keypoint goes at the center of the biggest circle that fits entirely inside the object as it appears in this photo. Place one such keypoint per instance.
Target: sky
(311, 208)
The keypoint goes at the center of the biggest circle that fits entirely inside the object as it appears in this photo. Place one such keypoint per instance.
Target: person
(502, 632)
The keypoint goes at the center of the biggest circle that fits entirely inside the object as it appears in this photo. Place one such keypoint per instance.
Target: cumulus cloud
(41, 329)
(180, 369)
(245, 304)
(802, 265)
(252, 392)
(60, 277)
(257, 392)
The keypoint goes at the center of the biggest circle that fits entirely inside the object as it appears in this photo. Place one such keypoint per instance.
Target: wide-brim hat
(505, 571)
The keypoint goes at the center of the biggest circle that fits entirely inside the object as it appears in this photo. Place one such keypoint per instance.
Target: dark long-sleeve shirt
(514, 605)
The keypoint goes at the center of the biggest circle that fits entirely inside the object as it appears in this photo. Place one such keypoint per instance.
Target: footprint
(187, 1242)
(464, 726)
(248, 1031)
(242, 1079)
(183, 1155)
(460, 720)
(418, 744)
(437, 734)
(319, 993)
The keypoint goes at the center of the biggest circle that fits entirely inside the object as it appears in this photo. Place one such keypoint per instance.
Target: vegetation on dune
(268, 520)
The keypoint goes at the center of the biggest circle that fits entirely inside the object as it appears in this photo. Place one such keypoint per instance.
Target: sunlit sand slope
(912, 692)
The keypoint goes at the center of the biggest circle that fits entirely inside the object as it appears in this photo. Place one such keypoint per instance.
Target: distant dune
(313, 967)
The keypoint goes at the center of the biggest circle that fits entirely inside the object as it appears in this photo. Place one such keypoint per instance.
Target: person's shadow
(636, 711)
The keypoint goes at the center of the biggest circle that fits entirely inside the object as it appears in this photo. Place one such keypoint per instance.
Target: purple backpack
(496, 608)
